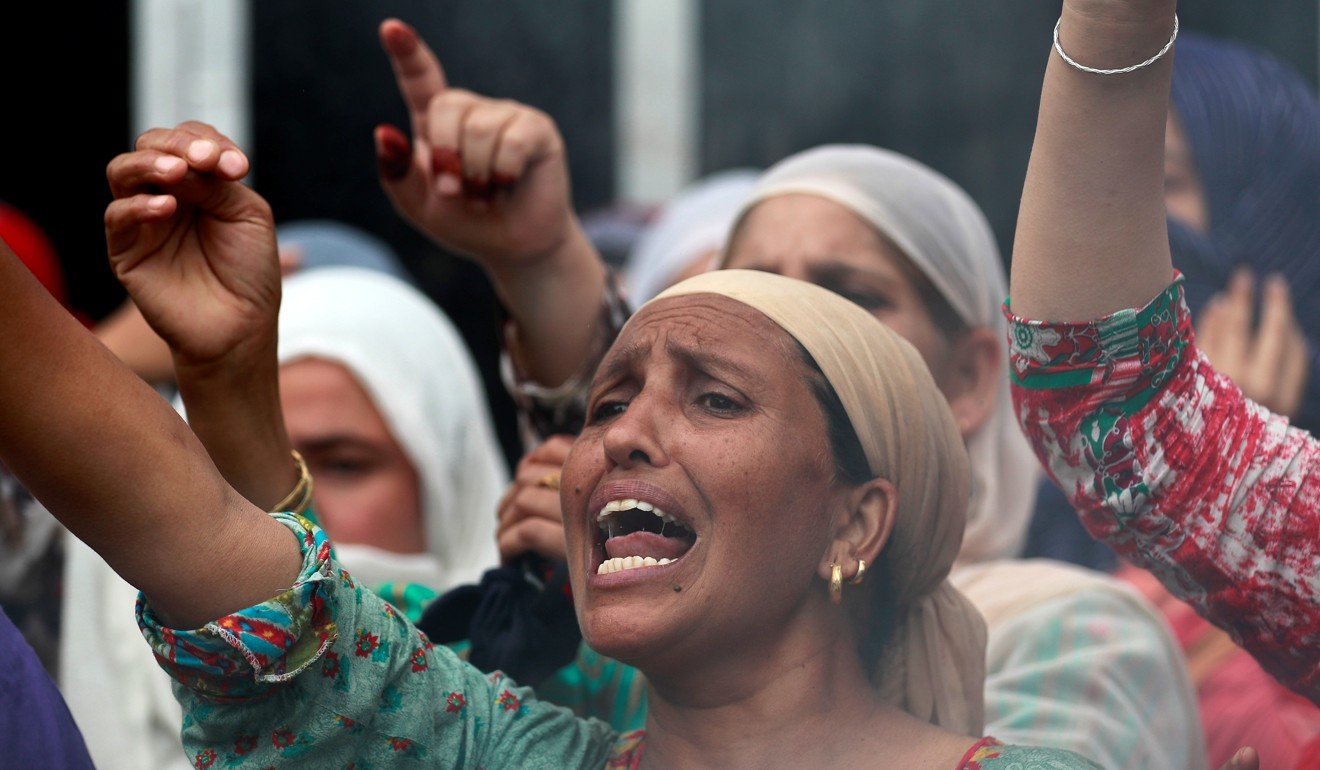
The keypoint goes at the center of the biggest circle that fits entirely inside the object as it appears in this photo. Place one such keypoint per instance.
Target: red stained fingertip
(393, 152)
(398, 38)
(445, 160)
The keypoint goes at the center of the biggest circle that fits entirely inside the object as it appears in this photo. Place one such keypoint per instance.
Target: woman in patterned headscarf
(1242, 186)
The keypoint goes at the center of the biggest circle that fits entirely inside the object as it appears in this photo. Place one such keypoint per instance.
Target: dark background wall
(64, 114)
(954, 84)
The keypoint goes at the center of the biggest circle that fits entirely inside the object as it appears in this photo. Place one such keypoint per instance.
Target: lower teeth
(620, 563)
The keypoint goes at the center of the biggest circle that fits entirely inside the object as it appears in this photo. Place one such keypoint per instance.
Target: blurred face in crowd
(366, 490)
(817, 240)
(1183, 196)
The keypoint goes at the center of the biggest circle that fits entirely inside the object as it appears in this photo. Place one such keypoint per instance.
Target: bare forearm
(119, 468)
(555, 305)
(234, 408)
(1091, 235)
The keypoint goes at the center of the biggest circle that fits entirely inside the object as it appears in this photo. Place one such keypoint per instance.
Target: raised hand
(531, 519)
(488, 178)
(196, 251)
(1269, 362)
(194, 247)
(1246, 758)
(484, 177)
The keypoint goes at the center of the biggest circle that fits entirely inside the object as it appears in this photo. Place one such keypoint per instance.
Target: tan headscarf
(942, 231)
(935, 667)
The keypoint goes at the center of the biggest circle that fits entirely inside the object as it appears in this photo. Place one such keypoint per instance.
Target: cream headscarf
(942, 231)
(935, 668)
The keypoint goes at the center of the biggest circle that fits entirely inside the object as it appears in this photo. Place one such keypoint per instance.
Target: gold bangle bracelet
(300, 498)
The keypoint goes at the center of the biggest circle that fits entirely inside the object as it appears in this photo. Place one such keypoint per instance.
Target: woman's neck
(802, 699)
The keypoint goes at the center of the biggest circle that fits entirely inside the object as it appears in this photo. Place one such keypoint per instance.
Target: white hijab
(693, 223)
(943, 232)
(412, 363)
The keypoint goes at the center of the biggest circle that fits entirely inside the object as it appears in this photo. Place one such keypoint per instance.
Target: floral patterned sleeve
(329, 675)
(1168, 463)
(542, 411)
(990, 754)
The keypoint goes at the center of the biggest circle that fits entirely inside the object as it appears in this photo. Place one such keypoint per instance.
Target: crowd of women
(780, 501)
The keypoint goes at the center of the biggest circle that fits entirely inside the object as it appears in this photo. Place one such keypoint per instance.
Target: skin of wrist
(246, 379)
(1112, 40)
(568, 265)
(233, 406)
(1109, 15)
(256, 354)
(1110, 34)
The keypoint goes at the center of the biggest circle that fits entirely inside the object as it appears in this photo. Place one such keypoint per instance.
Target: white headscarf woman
(414, 367)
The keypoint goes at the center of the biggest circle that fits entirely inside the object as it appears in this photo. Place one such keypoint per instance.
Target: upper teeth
(620, 563)
(628, 504)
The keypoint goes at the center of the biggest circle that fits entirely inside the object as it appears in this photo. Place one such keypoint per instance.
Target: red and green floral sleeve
(329, 675)
(1169, 464)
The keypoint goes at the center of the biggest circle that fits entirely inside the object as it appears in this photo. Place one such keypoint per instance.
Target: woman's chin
(629, 636)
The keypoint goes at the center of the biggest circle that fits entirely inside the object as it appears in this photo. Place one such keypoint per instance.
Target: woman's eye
(342, 467)
(607, 409)
(719, 403)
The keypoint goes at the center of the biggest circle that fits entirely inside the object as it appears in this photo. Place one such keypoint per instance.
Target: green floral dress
(329, 675)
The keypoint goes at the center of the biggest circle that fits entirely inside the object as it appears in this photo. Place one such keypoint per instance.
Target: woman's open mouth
(635, 533)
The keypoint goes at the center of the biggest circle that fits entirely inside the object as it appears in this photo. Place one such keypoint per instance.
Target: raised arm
(119, 468)
(1091, 234)
(488, 179)
(205, 275)
(1162, 457)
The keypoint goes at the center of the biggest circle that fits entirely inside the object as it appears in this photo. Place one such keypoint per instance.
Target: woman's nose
(634, 437)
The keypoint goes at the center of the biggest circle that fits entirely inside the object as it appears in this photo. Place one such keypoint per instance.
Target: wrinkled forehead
(705, 328)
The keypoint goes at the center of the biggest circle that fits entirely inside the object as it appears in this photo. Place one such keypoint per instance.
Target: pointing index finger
(416, 69)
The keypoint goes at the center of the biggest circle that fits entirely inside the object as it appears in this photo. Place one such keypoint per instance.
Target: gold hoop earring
(836, 583)
(861, 573)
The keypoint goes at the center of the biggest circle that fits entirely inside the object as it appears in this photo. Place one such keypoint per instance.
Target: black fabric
(519, 619)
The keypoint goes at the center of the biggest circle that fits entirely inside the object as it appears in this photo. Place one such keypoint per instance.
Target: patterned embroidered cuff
(543, 411)
(1135, 349)
(240, 656)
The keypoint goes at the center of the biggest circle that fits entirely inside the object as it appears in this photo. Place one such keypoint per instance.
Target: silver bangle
(1121, 70)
